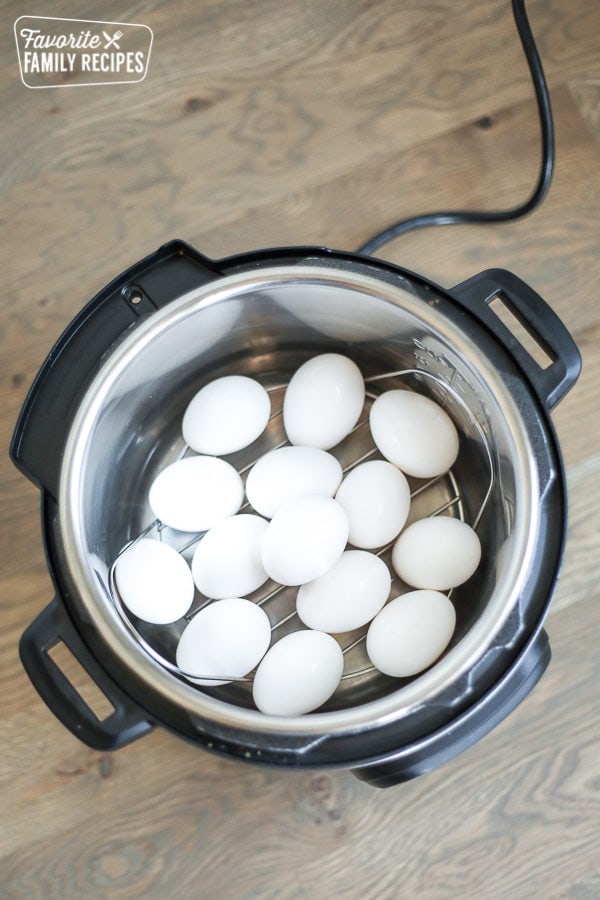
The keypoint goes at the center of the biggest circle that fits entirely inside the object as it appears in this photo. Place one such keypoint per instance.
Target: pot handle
(126, 723)
(43, 425)
(467, 728)
(552, 381)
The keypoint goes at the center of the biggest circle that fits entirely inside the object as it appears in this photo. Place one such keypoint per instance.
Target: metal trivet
(426, 494)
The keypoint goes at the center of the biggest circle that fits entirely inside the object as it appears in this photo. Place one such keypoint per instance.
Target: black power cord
(462, 217)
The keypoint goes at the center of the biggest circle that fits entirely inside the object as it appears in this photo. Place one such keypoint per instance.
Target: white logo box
(56, 52)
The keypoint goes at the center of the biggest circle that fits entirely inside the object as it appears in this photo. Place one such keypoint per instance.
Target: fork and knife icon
(112, 41)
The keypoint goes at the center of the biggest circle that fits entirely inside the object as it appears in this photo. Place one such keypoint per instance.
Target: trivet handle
(125, 724)
(551, 382)
(43, 425)
(468, 727)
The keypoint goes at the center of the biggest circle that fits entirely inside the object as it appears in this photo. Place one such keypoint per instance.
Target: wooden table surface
(305, 122)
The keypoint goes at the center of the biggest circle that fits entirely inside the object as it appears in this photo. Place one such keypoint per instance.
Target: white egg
(226, 638)
(298, 674)
(323, 401)
(376, 497)
(227, 561)
(437, 553)
(194, 493)
(304, 539)
(414, 433)
(290, 472)
(154, 582)
(349, 595)
(226, 415)
(410, 633)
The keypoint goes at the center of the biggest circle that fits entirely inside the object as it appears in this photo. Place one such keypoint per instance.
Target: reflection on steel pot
(103, 418)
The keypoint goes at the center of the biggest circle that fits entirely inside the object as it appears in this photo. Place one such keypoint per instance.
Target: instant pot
(103, 417)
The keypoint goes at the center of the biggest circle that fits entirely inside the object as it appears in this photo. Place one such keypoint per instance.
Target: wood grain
(262, 124)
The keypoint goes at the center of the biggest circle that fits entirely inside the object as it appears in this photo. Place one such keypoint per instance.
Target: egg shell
(439, 553)
(228, 637)
(195, 492)
(154, 582)
(348, 596)
(289, 472)
(226, 415)
(376, 497)
(298, 674)
(323, 401)
(304, 539)
(414, 433)
(410, 633)
(227, 561)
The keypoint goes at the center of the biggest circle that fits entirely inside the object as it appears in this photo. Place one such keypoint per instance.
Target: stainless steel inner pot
(265, 323)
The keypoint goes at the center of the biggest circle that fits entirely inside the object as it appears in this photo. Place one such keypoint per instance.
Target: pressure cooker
(103, 417)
